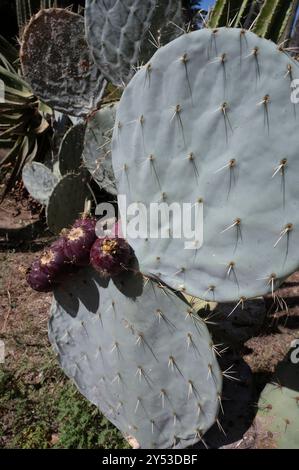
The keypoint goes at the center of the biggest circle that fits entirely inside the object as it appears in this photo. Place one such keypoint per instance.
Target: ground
(39, 406)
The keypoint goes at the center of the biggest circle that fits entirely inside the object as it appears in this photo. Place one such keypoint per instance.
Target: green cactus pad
(71, 149)
(97, 147)
(277, 422)
(210, 119)
(57, 64)
(145, 361)
(67, 201)
(122, 33)
(39, 181)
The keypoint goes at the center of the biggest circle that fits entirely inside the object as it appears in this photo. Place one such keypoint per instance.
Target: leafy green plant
(83, 426)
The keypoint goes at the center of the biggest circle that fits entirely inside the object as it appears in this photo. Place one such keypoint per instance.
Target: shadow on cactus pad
(83, 287)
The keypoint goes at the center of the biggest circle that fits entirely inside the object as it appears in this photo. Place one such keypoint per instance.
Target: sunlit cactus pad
(123, 33)
(141, 356)
(97, 147)
(39, 181)
(210, 119)
(277, 421)
(57, 64)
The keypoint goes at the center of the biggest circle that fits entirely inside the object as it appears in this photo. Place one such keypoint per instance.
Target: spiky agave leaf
(23, 128)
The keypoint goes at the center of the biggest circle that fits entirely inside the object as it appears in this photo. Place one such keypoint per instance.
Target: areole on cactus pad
(210, 120)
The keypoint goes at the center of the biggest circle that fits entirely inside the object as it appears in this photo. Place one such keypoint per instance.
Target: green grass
(40, 408)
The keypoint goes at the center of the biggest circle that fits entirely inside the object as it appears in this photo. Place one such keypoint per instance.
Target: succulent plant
(97, 147)
(233, 13)
(215, 121)
(25, 10)
(268, 19)
(39, 181)
(71, 149)
(57, 63)
(23, 127)
(207, 121)
(122, 34)
(140, 354)
(63, 189)
(278, 416)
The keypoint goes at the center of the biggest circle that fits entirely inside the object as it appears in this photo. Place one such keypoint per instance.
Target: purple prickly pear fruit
(38, 279)
(88, 223)
(110, 256)
(52, 260)
(79, 240)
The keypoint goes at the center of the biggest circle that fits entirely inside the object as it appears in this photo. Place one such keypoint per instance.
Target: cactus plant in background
(26, 9)
(234, 13)
(278, 416)
(64, 189)
(23, 127)
(268, 19)
(71, 149)
(57, 63)
(123, 34)
(208, 131)
(39, 181)
(97, 147)
(276, 20)
(67, 201)
(140, 354)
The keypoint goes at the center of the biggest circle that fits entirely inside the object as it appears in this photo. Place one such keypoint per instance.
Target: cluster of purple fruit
(76, 248)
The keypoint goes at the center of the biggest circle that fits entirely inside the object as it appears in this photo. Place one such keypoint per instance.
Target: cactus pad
(67, 201)
(57, 64)
(71, 149)
(216, 126)
(277, 422)
(140, 355)
(97, 147)
(122, 33)
(39, 181)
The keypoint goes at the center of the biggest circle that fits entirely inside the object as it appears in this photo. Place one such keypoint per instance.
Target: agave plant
(24, 130)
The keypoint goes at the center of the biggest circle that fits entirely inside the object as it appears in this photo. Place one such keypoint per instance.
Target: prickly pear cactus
(71, 149)
(63, 189)
(39, 181)
(228, 13)
(57, 64)
(122, 33)
(267, 18)
(276, 20)
(215, 128)
(97, 147)
(138, 352)
(277, 421)
(67, 201)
